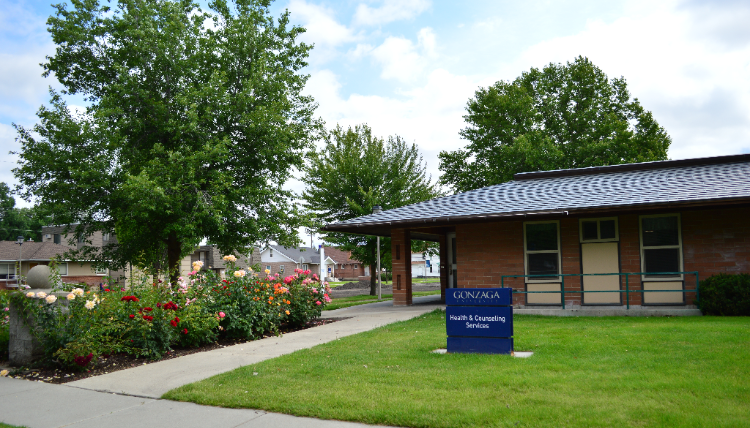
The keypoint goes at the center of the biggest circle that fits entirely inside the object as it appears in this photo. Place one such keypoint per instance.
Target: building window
(105, 237)
(100, 271)
(270, 252)
(661, 245)
(599, 229)
(7, 270)
(281, 268)
(56, 238)
(268, 268)
(62, 268)
(356, 266)
(305, 267)
(542, 248)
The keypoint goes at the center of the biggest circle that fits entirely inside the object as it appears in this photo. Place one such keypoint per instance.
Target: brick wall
(347, 271)
(401, 262)
(570, 256)
(715, 241)
(630, 255)
(485, 252)
(289, 267)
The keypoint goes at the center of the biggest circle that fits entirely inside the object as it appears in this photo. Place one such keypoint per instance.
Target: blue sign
(479, 321)
(478, 296)
(480, 345)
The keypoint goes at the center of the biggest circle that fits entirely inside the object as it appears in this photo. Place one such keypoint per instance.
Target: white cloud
(429, 115)
(403, 60)
(322, 29)
(389, 11)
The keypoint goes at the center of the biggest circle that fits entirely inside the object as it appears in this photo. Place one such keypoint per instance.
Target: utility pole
(377, 210)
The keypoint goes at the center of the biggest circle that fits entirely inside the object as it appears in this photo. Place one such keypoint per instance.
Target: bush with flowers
(148, 319)
(4, 324)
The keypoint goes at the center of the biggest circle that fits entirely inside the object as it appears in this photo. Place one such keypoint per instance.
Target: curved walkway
(121, 398)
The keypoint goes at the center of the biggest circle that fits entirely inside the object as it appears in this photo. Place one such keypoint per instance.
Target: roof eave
(377, 228)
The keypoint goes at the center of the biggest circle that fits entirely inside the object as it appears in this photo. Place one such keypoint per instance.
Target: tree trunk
(174, 248)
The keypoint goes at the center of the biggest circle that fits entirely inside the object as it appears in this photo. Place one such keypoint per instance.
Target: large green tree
(356, 171)
(563, 116)
(193, 121)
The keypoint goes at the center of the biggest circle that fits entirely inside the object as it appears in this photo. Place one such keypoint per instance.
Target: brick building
(650, 227)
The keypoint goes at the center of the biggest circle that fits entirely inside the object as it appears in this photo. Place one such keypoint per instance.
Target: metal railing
(627, 289)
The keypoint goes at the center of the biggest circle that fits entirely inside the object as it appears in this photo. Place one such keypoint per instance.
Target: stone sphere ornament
(38, 277)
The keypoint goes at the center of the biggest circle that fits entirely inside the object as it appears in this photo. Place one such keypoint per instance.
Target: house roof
(306, 254)
(708, 181)
(340, 256)
(31, 250)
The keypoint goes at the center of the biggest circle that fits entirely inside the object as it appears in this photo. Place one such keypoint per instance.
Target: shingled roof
(713, 180)
(35, 251)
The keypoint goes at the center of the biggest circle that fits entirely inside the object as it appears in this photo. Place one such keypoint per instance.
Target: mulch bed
(119, 362)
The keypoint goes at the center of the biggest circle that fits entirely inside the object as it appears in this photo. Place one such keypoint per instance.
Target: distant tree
(356, 171)
(194, 121)
(564, 116)
(15, 222)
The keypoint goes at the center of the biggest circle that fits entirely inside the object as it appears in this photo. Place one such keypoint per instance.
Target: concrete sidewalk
(121, 398)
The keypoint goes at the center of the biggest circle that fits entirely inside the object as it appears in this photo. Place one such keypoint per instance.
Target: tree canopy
(356, 171)
(563, 116)
(194, 120)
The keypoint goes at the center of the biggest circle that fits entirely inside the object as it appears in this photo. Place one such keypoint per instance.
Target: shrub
(150, 318)
(4, 324)
(725, 294)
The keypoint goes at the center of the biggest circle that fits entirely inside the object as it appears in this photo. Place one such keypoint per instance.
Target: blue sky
(408, 67)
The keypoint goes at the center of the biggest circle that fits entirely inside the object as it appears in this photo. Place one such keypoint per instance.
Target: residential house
(208, 254)
(284, 260)
(346, 268)
(650, 231)
(424, 265)
(32, 254)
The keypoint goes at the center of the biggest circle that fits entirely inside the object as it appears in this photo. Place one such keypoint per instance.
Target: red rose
(174, 323)
(184, 331)
(131, 316)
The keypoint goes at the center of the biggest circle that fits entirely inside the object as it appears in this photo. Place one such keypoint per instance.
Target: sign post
(479, 320)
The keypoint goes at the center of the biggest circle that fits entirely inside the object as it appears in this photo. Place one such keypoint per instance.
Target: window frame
(11, 276)
(59, 268)
(100, 271)
(305, 267)
(681, 267)
(281, 268)
(598, 230)
(526, 253)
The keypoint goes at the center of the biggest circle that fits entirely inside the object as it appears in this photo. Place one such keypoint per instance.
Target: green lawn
(2, 425)
(345, 302)
(585, 372)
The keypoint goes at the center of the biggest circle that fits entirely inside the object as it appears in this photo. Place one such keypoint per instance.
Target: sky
(408, 67)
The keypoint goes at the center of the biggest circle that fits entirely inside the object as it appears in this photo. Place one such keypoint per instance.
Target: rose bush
(148, 319)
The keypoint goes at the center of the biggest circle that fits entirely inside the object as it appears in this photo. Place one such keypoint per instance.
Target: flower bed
(148, 320)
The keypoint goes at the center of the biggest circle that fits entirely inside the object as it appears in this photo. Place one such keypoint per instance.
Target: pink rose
(222, 314)
(317, 302)
(307, 272)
